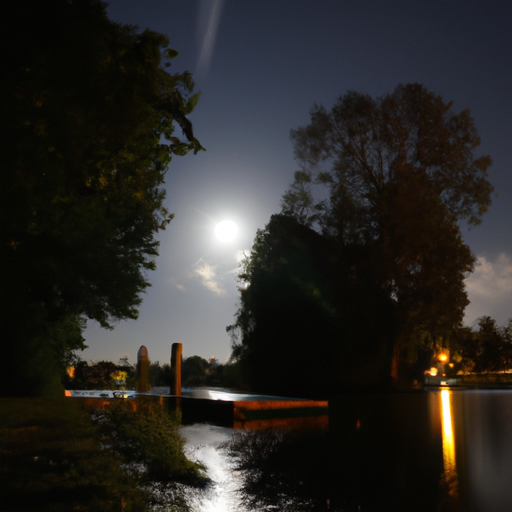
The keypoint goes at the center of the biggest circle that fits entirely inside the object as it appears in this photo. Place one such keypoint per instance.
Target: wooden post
(176, 351)
(142, 385)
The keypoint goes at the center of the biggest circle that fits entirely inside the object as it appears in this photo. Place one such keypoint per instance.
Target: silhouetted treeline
(355, 285)
(86, 104)
(310, 320)
(101, 375)
(196, 371)
(486, 347)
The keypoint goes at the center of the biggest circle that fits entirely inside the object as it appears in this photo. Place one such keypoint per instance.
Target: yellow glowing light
(450, 468)
(433, 371)
(119, 376)
(442, 357)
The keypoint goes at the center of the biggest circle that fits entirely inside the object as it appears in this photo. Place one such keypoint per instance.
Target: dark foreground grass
(54, 457)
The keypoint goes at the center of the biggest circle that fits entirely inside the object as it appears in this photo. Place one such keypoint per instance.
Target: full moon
(226, 231)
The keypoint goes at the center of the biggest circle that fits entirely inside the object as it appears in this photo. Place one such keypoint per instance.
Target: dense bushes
(54, 458)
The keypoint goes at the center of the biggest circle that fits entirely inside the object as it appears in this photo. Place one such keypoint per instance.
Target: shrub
(149, 436)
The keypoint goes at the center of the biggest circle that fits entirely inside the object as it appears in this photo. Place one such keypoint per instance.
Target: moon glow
(226, 231)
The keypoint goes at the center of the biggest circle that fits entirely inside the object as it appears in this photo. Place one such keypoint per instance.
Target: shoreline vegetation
(60, 455)
(57, 456)
(484, 380)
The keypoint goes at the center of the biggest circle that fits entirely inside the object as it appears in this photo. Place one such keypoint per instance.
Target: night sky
(261, 65)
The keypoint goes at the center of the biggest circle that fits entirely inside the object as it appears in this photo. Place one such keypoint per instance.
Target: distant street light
(442, 357)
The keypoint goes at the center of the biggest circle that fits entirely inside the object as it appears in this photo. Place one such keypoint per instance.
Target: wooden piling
(176, 351)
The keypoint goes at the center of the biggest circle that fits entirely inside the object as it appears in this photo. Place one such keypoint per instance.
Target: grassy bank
(55, 456)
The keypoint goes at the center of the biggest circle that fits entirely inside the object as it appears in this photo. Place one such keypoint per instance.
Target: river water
(432, 451)
(203, 444)
(481, 451)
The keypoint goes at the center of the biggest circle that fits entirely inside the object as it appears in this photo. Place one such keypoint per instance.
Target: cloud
(491, 280)
(180, 287)
(208, 26)
(209, 279)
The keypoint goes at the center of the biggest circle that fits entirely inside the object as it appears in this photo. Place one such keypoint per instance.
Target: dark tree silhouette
(308, 321)
(402, 173)
(88, 129)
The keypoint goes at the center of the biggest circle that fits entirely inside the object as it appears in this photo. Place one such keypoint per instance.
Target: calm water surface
(432, 451)
(480, 452)
(439, 450)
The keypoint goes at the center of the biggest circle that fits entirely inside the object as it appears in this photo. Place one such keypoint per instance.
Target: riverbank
(53, 457)
(472, 380)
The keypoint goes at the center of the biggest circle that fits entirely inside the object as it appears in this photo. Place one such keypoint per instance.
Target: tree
(159, 375)
(88, 130)
(194, 371)
(485, 349)
(96, 376)
(301, 307)
(402, 174)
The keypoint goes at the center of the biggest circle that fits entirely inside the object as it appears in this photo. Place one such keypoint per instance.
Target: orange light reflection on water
(450, 467)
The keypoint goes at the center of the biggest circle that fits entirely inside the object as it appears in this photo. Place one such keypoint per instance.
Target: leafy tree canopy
(400, 173)
(194, 371)
(89, 117)
(368, 150)
(485, 348)
(302, 306)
